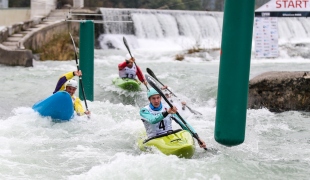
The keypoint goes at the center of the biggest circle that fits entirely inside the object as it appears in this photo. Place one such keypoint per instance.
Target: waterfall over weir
(186, 28)
(162, 23)
(199, 26)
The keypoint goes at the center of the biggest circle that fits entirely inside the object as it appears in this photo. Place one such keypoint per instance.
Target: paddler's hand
(132, 60)
(78, 73)
(183, 105)
(164, 87)
(145, 82)
(203, 145)
(87, 113)
(172, 110)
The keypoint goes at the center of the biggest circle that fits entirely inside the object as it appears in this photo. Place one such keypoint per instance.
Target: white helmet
(71, 83)
(128, 57)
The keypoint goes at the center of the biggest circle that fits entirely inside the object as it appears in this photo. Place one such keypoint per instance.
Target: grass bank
(60, 48)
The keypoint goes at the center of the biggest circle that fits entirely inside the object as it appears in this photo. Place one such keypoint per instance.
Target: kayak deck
(127, 83)
(179, 143)
(58, 106)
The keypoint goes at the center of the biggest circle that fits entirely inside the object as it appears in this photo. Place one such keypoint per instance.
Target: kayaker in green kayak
(156, 117)
(128, 69)
(67, 83)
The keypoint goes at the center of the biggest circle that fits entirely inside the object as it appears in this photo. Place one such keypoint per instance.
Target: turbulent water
(277, 145)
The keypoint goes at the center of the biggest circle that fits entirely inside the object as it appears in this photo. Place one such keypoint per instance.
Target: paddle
(151, 81)
(125, 42)
(80, 77)
(153, 75)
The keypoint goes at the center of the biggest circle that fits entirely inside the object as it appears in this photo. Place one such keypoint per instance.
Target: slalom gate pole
(234, 72)
(87, 47)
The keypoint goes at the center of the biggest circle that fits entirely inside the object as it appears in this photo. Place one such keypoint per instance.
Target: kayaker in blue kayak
(67, 83)
(128, 69)
(156, 117)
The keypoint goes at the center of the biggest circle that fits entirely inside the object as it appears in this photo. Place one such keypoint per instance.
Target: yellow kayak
(178, 142)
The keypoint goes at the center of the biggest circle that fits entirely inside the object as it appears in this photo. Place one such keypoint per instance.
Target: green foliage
(59, 48)
(211, 5)
(194, 5)
(162, 4)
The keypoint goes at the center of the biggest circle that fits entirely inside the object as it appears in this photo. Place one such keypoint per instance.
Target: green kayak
(178, 142)
(127, 83)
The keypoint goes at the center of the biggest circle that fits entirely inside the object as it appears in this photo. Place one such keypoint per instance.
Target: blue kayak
(58, 106)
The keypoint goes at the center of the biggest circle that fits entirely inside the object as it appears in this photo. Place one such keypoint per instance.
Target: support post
(234, 72)
(87, 58)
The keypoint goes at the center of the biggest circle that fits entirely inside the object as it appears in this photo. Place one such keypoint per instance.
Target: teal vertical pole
(234, 72)
(87, 58)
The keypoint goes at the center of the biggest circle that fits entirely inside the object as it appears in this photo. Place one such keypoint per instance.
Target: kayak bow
(178, 142)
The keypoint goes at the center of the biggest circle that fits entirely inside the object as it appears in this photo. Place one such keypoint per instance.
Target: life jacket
(77, 105)
(159, 128)
(128, 72)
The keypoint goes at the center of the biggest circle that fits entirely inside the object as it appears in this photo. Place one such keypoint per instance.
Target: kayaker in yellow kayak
(67, 83)
(156, 117)
(128, 69)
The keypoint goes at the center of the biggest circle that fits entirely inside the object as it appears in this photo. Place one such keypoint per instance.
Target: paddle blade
(153, 75)
(126, 44)
(151, 82)
(148, 70)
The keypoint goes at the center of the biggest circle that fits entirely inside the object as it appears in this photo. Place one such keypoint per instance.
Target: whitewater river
(277, 145)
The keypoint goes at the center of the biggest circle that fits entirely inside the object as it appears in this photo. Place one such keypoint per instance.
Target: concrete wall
(12, 16)
(15, 57)
(39, 38)
(78, 3)
(41, 8)
(34, 41)
(17, 27)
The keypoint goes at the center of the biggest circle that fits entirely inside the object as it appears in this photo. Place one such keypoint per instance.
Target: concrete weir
(18, 40)
(15, 57)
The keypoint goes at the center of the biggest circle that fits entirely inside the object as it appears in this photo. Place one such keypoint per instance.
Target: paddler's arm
(64, 78)
(153, 119)
(140, 75)
(79, 108)
(191, 129)
(122, 65)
